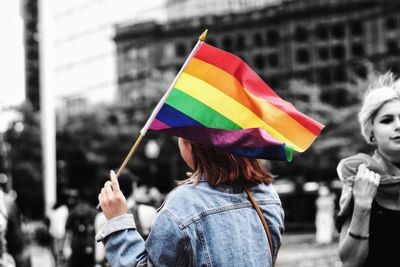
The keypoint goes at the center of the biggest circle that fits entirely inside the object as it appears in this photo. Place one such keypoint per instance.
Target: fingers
(111, 199)
(108, 190)
(366, 174)
(377, 179)
(114, 181)
(362, 170)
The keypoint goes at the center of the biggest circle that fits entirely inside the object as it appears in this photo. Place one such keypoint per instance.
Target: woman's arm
(167, 244)
(353, 244)
(353, 252)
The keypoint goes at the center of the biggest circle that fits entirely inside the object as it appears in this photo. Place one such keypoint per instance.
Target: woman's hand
(111, 199)
(365, 187)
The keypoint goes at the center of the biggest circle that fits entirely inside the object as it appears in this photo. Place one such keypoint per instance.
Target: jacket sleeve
(168, 244)
(124, 246)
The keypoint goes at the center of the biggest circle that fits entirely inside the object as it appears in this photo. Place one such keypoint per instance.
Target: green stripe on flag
(199, 111)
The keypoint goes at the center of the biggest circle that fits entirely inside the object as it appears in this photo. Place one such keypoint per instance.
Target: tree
(25, 156)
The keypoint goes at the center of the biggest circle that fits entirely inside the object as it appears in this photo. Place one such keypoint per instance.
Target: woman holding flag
(206, 221)
(369, 216)
(227, 213)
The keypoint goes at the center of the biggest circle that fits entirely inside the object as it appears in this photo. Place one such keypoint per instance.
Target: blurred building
(29, 11)
(180, 9)
(327, 42)
(80, 54)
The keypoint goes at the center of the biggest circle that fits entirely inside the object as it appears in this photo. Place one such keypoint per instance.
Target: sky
(11, 54)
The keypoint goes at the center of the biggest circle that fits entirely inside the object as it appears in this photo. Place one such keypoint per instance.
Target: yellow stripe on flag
(272, 115)
(229, 107)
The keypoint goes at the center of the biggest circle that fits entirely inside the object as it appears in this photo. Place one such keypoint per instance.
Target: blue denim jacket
(200, 226)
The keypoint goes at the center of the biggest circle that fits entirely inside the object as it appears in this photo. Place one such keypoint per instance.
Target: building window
(301, 34)
(273, 60)
(259, 61)
(357, 49)
(272, 38)
(180, 50)
(360, 70)
(240, 43)
(323, 53)
(324, 76)
(340, 74)
(273, 82)
(391, 23)
(338, 31)
(258, 41)
(321, 31)
(304, 75)
(227, 43)
(338, 97)
(339, 52)
(392, 46)
(302, 56)
(356, 28)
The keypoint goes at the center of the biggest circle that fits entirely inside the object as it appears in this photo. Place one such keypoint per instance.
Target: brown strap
(263, 220)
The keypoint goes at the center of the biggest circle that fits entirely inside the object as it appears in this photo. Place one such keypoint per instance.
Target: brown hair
(224, 168)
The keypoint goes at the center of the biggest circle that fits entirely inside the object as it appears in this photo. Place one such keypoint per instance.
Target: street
(301, 250)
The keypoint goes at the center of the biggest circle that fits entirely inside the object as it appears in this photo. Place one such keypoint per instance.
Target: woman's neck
(394, 159)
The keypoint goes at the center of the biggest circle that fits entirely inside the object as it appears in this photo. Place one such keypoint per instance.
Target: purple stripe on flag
(158, 125)
(253, 142)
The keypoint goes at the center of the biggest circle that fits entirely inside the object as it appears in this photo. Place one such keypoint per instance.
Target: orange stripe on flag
(231, 87)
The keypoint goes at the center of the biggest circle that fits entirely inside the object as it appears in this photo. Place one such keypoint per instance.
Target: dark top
(384, 231)
(384, 236)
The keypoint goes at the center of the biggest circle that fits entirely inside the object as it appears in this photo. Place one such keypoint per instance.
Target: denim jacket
(200, 226)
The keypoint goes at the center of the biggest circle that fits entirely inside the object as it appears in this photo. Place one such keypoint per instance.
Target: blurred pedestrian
(80, 235)
(369, 215)
(43, 246)
(207, 220)
(148, 195)
(58, 219)
(6, 260)
(143, 214)
(324, 222)
(16, 241)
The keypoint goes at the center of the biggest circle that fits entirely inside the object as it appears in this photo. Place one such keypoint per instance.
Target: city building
(80, 53)
(29, 12)
(326, 42)
(180, 9)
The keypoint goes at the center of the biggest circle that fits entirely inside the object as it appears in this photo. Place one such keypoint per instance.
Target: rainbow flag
(220, 102)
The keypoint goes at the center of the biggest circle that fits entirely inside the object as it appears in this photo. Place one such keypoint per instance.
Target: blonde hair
(384, 89)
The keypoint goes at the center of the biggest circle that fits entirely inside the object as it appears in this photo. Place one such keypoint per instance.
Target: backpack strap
(263, 221)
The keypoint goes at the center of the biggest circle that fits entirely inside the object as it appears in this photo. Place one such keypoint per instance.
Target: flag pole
(164, 98)
(143, 131)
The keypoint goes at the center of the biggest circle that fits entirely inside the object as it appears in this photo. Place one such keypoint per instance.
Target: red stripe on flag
(253, 83)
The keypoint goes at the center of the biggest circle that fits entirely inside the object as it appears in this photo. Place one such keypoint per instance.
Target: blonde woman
(369, 216)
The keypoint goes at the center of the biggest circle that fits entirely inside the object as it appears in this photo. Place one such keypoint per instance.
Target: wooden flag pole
(128, 157)
(143, 131)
